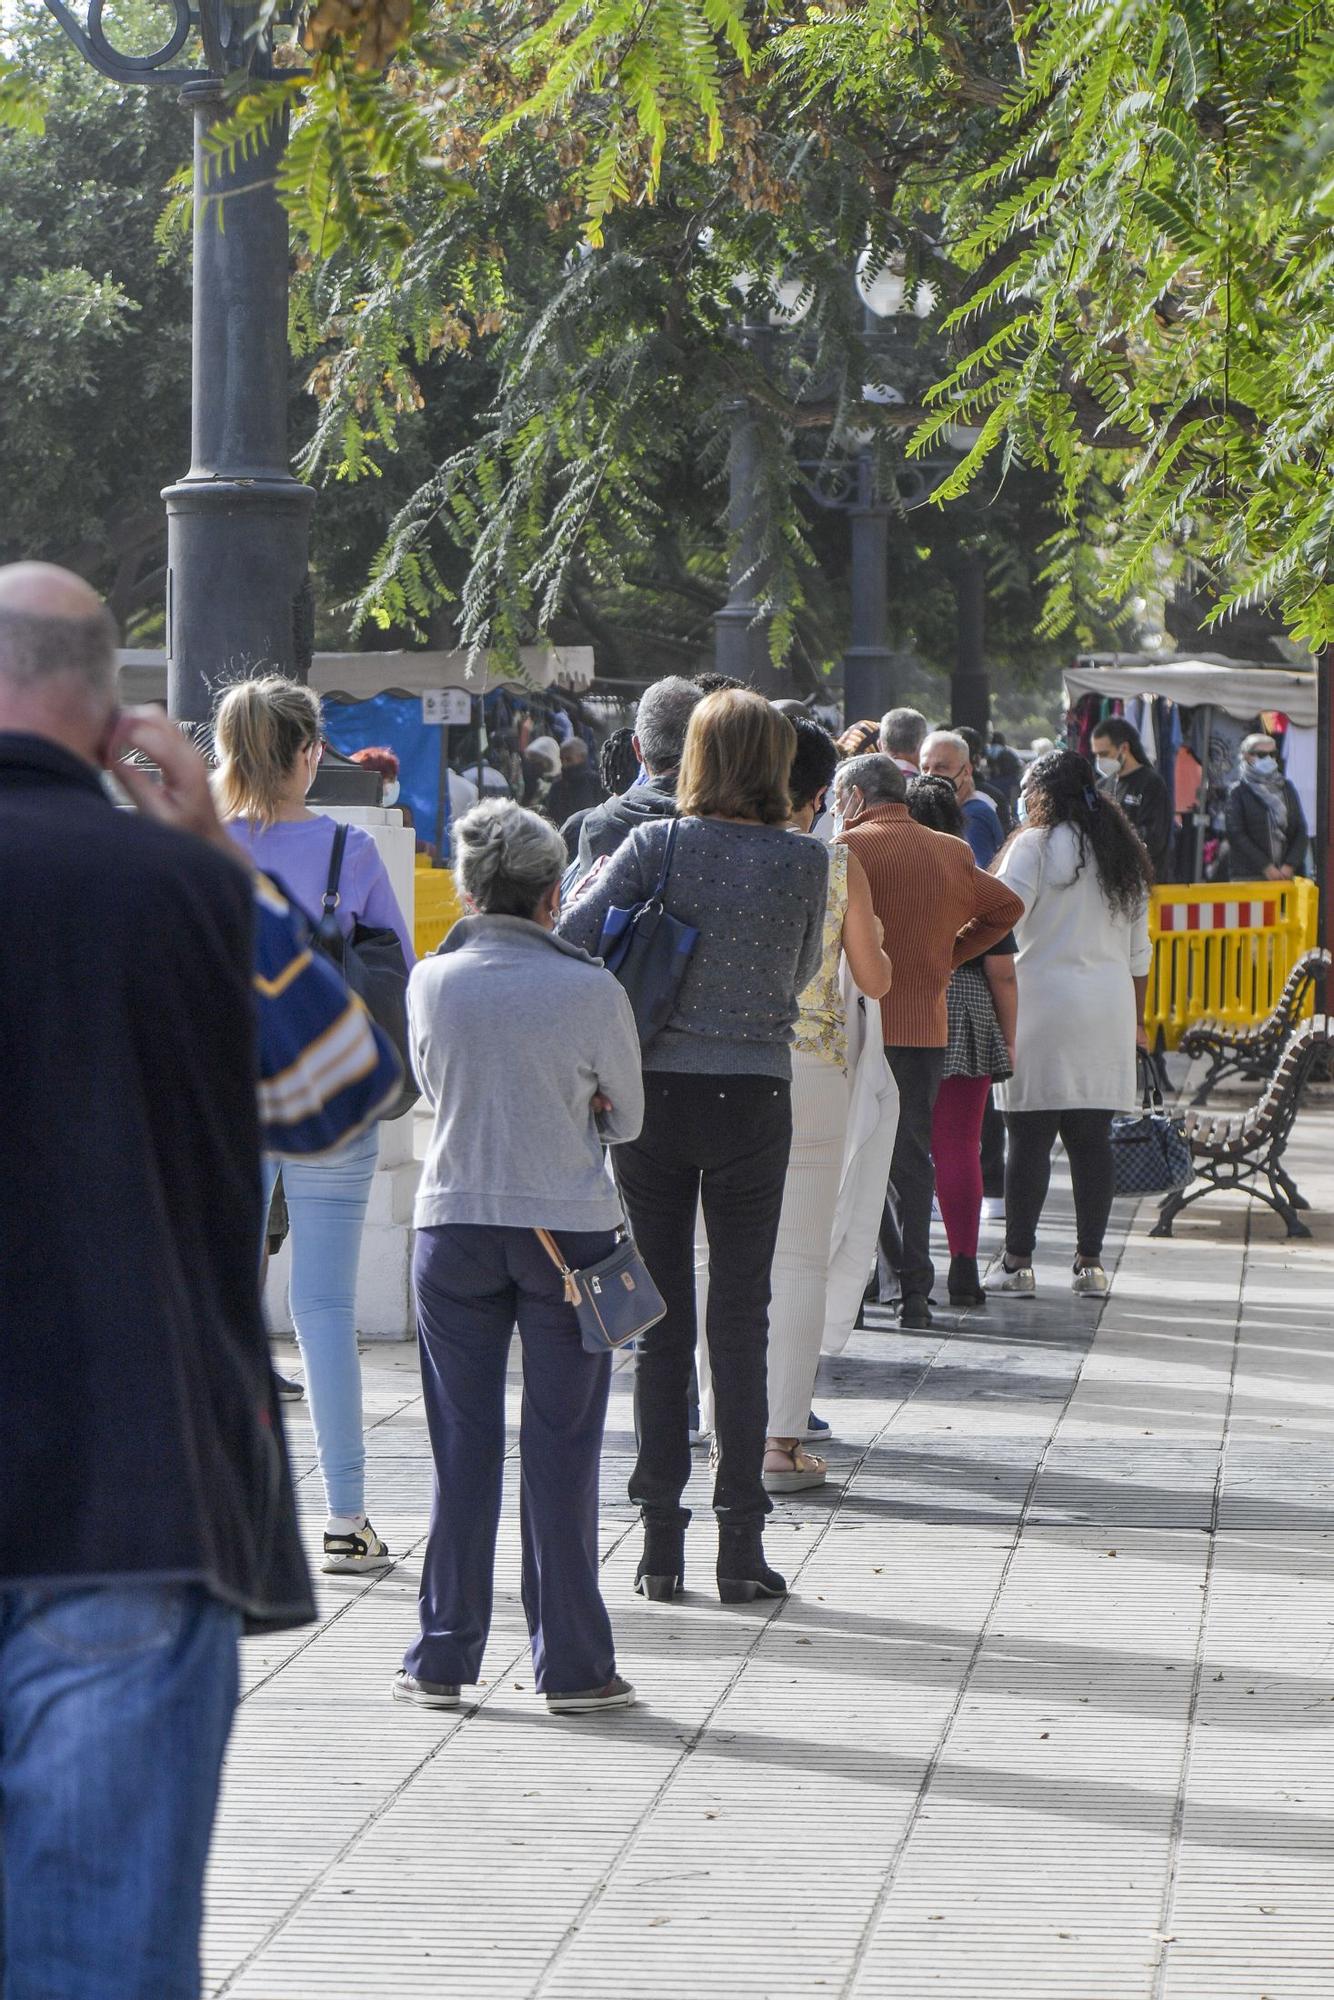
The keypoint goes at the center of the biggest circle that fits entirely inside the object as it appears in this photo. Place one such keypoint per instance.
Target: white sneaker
(993, 1208)
(1090, 1281)
(1019, 1284)
(426, 1694)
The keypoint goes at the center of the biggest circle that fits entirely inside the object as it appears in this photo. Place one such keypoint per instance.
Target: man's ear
(638, 752)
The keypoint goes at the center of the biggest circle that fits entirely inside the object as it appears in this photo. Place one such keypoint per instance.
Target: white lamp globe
(880, 283)
(924, 301)
(961, 437)
(792, 301)
(879, 395)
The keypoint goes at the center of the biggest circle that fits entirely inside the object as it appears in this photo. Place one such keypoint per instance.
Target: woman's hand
(601, 1103)
(1142, 1038)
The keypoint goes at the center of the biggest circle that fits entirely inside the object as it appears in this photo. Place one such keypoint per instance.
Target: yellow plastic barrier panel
(1222, 950)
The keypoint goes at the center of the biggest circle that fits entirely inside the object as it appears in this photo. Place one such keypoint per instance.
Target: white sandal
(796, 1469)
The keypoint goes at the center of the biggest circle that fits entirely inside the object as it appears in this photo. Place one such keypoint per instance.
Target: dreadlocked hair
(1060, 791)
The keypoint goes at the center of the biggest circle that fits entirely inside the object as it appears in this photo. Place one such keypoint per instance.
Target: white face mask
(1021, 808)
(1110, 766)
(1264, 767)
(389, 796)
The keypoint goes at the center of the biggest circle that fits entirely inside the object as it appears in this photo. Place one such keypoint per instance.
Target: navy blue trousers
(474, 1284)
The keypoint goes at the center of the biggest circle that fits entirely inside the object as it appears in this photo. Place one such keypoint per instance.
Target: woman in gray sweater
(718, 1118)
(528, 1057)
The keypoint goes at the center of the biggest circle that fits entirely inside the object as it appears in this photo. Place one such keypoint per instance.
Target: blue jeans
(326, 1207)
(115, 1705)
(473, 1283)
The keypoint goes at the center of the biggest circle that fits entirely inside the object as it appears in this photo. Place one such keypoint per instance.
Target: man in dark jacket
(661, 721)
(146, 1508)
(1129, 778)
(1266, 827)
(577, 788)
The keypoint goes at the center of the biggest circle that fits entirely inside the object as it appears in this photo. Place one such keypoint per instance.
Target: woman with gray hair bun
(528, 1056)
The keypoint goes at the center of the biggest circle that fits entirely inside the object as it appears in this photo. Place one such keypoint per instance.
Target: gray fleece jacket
(512, 1032)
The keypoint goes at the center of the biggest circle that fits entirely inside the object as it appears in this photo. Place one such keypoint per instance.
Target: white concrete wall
(384, 1284)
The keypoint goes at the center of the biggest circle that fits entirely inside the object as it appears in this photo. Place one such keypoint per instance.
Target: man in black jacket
(1130, 779)
(661, 721)
(1266, 827)
(146, 1508)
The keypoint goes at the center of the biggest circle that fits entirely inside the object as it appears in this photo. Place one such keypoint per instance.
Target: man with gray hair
(146, 1505)
(901, 734)
(661, 722)
(938, 910)
(945, 754)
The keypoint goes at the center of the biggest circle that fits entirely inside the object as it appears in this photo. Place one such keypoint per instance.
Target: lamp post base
(239, 598)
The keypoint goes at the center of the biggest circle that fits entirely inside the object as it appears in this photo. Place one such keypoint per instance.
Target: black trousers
(993, 1150)
(912, 1173)
(722, 1141)
(1087, 1138)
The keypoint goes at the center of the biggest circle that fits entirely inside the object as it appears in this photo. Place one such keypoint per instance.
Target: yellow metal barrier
(1223, 950)
(437, 907)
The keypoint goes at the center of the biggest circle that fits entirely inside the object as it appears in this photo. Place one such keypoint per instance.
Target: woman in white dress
(1082, 966)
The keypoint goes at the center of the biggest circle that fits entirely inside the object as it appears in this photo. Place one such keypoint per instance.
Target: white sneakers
(1019, 1284)
(993, 1208)
(1090, 1281)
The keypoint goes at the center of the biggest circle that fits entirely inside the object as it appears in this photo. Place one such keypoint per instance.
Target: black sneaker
(915, 1312)
(359, 1552)
(288, 1390)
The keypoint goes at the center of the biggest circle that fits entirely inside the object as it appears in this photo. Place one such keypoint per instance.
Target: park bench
(1253, 1052)
(1243, 1153)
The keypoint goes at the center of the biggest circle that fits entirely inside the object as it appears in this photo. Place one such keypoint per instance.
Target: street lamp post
(741, 632)
(238, 522)
(868, 664)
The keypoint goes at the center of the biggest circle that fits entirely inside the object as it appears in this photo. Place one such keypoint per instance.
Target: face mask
(1264, 767)
(1021, 809)
(390, 794)
(1110, 766)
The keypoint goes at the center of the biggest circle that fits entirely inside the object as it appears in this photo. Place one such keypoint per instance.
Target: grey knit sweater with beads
(756, 894)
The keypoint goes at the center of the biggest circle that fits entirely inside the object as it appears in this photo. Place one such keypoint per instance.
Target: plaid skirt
(976, 1044)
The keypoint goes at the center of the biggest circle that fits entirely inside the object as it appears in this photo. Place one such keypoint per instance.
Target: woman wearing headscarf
(1266, 827)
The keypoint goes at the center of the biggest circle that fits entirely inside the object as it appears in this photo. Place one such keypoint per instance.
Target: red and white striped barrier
(1238, 916)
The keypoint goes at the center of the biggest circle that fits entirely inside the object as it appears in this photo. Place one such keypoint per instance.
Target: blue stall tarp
(395, 720)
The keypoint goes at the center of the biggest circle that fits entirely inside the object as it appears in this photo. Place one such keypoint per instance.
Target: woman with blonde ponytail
(267, 737)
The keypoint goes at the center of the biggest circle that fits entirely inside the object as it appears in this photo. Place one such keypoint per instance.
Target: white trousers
(820, 1096)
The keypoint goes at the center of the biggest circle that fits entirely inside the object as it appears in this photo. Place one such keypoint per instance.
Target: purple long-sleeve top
(297, 852)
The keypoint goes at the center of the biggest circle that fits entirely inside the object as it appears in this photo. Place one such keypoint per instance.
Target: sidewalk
(1050, 1713)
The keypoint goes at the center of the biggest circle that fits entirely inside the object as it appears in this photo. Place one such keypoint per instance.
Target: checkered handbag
(1150, 1152)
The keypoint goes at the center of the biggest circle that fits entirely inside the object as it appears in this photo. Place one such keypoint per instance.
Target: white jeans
(801, 1262)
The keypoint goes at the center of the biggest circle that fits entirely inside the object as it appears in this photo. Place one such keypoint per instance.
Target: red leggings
(956, 1148)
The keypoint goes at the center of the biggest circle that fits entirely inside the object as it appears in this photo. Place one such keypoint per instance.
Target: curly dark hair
(934, 803)
(618, 766)
(1059, 790)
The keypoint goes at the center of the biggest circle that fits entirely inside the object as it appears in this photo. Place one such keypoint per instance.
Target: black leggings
(1087, 1138)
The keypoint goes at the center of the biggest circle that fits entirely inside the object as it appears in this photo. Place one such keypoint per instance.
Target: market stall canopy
(1203, 681)
(143, 675)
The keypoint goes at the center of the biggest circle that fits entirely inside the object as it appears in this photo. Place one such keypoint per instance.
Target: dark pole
(741, 635)
(970, 695)
(238, 523)
(868, 664)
